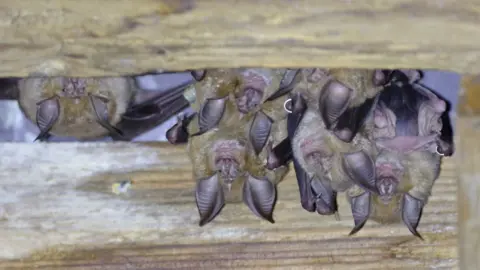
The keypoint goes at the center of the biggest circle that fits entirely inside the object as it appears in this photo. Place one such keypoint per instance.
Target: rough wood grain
(469, 101)
(57, 211)
(111, 37)
(468, 130)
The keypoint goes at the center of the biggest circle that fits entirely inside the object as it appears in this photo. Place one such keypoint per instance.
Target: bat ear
(211, 113)
(209, 198)
(360, 211)
(334, 101)
(325, 197)
(361, 169)
(178, 134)
(48, 111)
(99, 106)
(260, 195)
(350, 122)
(260, 131)
(289, 81)
(198, 75)
(412, 209)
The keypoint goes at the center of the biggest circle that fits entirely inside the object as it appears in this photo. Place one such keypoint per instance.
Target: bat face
(80, 107)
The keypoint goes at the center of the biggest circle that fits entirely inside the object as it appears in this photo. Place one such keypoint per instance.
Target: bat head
(228, 158)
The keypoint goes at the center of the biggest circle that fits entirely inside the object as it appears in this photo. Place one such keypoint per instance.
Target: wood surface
(58, 211)
(468, 157)
(112, 37)
(469, 96)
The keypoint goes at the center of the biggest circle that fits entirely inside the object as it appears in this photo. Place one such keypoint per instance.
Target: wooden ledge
(115, 37)
(58, 211)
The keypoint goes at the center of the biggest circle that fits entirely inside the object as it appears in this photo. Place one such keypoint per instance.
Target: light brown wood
(57, 211)
(469, 101)
(112, 37)
(468, 130)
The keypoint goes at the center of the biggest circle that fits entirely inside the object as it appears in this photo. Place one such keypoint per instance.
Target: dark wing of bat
(152, 112)
(8, 88)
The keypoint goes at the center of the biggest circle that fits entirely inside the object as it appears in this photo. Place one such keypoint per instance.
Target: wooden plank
(468, 130)
(112, 37)
(57, 211)
(469, 103)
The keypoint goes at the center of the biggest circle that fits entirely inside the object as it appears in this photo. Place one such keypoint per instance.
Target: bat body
(232, 140)
(84, 108)
(410, 138)
(329, 113)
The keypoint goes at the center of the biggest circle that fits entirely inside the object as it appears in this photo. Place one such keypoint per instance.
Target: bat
(233, 140)
(329, 109)
(90, 108)
(411, 137)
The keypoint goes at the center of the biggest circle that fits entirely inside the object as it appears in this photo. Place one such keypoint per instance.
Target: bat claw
(361, 169)
(209, 198)
(260, 131)
(260, 195)
(412, 209)
(360, 211)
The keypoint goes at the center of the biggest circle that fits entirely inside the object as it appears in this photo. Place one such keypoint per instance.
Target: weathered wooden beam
(469, 96)
(58, 211)
(112, 37)
(468, 130)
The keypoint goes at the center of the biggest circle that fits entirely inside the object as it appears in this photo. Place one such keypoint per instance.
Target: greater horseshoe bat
(329, 110)
(411, 137)
(234, 140)
(89, 108)
(79, 107)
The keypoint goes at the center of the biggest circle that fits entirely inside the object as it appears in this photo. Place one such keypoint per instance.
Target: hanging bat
(329, 110)
(411, 137)
(248, 88)
(90, 108)
(233, 140)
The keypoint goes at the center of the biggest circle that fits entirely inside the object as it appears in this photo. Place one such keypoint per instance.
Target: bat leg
(178, 134)
(334, 101)
(279, 155)
(210, 198)
(361, 169)
(260, 131)
(350, 122)
(99, 105)
(412, 209)
(48, 111)
(360, 211)
(260, 195)
(325, 197)
(211, 113)
(290, 79)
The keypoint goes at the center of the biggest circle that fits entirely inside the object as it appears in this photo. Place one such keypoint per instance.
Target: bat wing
(48, 111)
(360, 210)
(260, 195)
(99, 106)
(152, 112)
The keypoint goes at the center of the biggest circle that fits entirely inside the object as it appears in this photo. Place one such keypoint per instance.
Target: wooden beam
(58, 211)
(469, 101)
(468, 130)
(112, 37)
